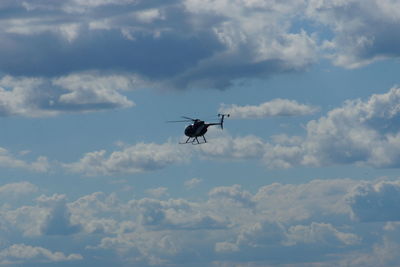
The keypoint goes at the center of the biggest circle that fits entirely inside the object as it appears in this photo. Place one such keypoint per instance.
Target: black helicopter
(199, 128)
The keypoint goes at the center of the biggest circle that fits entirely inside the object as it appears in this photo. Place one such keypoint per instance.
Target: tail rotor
(222, 116)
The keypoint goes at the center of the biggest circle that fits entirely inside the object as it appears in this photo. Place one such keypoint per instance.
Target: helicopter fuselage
(199, 128)
(196, 129)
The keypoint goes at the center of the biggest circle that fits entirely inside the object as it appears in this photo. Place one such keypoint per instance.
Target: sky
(304, 173)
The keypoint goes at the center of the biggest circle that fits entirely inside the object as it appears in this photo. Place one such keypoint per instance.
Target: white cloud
(223, 41)
(192, 183)
(362, 132)
(252, 222)
(27, 220)
(88, 89)
(363, 31)
(148, 16)
(17, 189)
(276, 107)
(158, 192)
(58, 218)
(37, 97)
(247, 147)
(374, 202)
(382, 253)
(88, 212)
(359, 132)
(133, 159)
(21, 253)
(7, 160)
(233, 194)
(97, 3)
(50, 216)
(321, 234)
(256, 38)
(318, 199)
(311, 221)
(174, 214)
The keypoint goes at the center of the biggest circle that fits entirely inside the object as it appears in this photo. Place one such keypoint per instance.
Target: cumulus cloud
(28, 220)
(88, 211)
(319, 233)
(174, 214)
(133, 159)
(57, 221)
(319, 199)
(382, 253)
(247, 147)
(374, 202)
(36, 97)
(313, 222)
(208, 43)
(254, 236)
(50, 216)
(242, 225)
(276, 107)
(233, 194)
(192, 43)
(7, 160)
(17, 189)
(362, 132)
(362, 31)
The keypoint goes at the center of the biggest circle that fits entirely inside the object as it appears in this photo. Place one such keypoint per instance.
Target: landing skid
(194, 141)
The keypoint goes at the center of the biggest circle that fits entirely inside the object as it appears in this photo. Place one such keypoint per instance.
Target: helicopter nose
(188, 130)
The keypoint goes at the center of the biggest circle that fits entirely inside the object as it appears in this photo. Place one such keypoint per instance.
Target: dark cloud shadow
(154, 57)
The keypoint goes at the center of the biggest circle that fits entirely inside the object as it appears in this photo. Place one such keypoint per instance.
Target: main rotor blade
(188, 118)
(180, 121)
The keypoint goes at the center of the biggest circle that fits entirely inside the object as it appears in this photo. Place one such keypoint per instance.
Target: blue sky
(305, 172)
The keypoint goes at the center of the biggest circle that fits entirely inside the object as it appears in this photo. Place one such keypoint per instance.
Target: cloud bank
(316, 223)
(191, 43)
(180, 43)
(360, 132)
(75, 57)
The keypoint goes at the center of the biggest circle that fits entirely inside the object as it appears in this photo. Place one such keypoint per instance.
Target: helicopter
(199, 128)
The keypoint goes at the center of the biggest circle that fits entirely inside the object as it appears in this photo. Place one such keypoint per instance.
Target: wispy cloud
(192, 183)
(157, 192)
